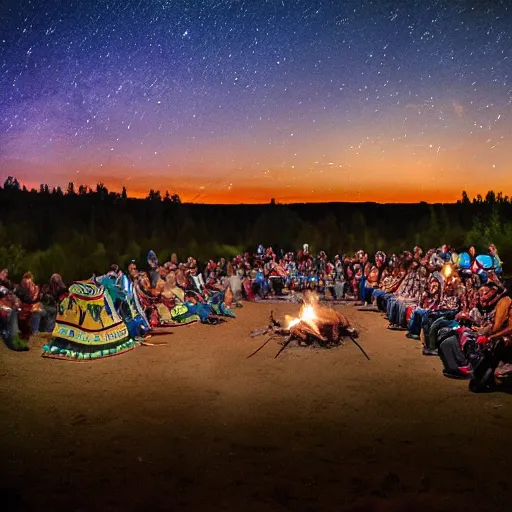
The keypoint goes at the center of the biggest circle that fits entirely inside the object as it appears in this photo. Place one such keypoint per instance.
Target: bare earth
(194, 425)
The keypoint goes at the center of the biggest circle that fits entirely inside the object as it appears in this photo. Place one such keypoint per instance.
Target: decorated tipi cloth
(180, 314)
(88, 326)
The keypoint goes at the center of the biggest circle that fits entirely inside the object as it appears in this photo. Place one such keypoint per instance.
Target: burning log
(315, 325)
(273, 327)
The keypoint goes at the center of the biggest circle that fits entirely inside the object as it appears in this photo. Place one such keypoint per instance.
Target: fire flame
(307, 315)
(293, 322)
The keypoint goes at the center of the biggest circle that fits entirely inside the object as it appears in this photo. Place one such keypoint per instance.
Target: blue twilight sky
(240, 101)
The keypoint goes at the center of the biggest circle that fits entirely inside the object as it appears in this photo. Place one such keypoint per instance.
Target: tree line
(83, 230)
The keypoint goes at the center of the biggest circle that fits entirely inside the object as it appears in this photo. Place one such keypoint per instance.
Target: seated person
(182, 279)
(9, 309)
(495, 344)
(30, 307)
(276, 278)
(496, 259)
(458, 351)
(373, 273)
(409, 294)
(430, 301)
(468, 314)
(390, 281)
(51, 295)
(152, 260)
(443, 316)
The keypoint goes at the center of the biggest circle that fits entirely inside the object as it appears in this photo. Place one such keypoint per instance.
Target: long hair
(57, 286)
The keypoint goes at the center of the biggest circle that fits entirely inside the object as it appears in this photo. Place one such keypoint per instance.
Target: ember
(315, 325)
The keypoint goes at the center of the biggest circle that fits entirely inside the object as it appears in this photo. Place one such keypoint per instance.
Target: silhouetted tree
(85, 240)
(11, 184)
(101, 191)
(478, 199)
(154, 195)
(71, 189)
(171, 198)
(490, 198)
(465, 198)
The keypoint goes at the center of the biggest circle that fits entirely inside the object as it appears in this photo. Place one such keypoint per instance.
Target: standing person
(339, 278)
(235, 284)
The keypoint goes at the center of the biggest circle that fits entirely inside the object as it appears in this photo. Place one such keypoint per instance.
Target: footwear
(412, 336)
(393, 327)
(455, 374)
(465, 370)
(430, 352)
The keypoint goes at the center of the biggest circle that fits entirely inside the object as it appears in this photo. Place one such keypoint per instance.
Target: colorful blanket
(88, 326)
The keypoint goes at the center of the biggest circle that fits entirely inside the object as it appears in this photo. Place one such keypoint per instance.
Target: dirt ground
(194, 425)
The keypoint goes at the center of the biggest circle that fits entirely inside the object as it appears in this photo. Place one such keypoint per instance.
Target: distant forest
(78, 231)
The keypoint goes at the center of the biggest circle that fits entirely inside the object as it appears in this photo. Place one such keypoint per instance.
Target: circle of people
(455, 303)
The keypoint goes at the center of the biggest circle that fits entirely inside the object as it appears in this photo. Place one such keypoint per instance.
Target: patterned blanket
(87, 326)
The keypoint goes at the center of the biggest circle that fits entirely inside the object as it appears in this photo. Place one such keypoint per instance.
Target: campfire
(315, 325)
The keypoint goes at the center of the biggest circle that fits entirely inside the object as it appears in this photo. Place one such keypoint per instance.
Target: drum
(276, 284)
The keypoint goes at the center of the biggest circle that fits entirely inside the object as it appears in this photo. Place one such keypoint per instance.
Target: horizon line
(272, 200)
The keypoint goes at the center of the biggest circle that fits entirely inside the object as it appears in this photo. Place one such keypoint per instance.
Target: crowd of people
(454, 302)
(27, 308)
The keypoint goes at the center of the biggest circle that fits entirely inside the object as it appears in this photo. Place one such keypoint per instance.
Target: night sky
(245, 100)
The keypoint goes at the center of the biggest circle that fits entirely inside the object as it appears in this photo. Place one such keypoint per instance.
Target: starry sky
(230, 101)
